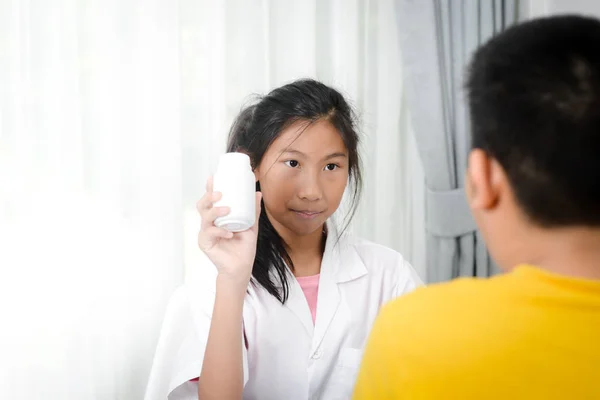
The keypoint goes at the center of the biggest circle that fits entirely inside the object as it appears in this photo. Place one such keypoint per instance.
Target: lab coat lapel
(328, 299)
(297, 303)
(340, 264)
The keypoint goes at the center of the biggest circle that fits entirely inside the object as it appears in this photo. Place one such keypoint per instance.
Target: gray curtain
(437, 39)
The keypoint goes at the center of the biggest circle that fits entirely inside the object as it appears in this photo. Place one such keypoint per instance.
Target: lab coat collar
(341, 263)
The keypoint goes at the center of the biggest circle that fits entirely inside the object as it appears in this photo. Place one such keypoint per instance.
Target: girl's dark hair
(253, 131)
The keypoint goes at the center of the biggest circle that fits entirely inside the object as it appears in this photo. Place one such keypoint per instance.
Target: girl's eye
(330, 167)
(292, 163)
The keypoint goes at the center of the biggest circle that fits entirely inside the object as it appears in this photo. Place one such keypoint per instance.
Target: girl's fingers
(218, 233)
(209, 216)
(209, 197)
(207, 201)
(209, 237)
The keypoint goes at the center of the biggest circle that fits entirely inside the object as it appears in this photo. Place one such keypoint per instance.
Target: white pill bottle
(236, 182)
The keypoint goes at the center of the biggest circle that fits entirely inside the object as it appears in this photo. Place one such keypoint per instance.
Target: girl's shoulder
(375, 257)
(375, 252)
(381, 265)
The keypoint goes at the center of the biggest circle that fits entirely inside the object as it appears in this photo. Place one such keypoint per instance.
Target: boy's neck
(573, 251)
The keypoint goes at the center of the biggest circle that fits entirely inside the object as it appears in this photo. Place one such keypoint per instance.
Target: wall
(534, 8)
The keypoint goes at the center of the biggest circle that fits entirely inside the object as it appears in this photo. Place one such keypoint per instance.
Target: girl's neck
(307, 244)
(306, 251)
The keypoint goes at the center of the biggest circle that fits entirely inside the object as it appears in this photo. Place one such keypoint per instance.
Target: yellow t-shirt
(527, 334)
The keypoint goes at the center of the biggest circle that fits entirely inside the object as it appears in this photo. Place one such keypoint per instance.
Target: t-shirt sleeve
(181, 346)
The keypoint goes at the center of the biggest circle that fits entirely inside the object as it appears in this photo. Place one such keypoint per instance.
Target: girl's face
(303, 175)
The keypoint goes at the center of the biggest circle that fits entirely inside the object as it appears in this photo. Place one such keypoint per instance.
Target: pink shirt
(310, 287)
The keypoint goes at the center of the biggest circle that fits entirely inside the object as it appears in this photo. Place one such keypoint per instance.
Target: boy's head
(534, 97)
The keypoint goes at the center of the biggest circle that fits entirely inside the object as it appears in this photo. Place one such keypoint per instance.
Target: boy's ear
(481, 188)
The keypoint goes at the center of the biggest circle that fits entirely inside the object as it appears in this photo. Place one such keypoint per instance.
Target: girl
(286, 312)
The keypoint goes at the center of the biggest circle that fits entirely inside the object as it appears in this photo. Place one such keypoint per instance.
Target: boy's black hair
(534, 96)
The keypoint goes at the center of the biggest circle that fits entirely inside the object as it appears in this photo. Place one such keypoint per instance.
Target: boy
(533, 184)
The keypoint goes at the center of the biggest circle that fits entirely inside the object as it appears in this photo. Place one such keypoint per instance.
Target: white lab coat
(287, 357)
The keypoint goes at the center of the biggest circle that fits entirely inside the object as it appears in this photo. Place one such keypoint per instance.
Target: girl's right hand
(232, 253)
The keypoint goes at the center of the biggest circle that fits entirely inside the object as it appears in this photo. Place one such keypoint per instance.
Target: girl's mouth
(307, 214)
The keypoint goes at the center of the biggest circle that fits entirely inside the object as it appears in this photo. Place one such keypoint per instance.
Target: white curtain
(112, 115)
(90, 193)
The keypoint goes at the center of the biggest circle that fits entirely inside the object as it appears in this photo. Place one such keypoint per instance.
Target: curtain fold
(90, 193)
(437, 39)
